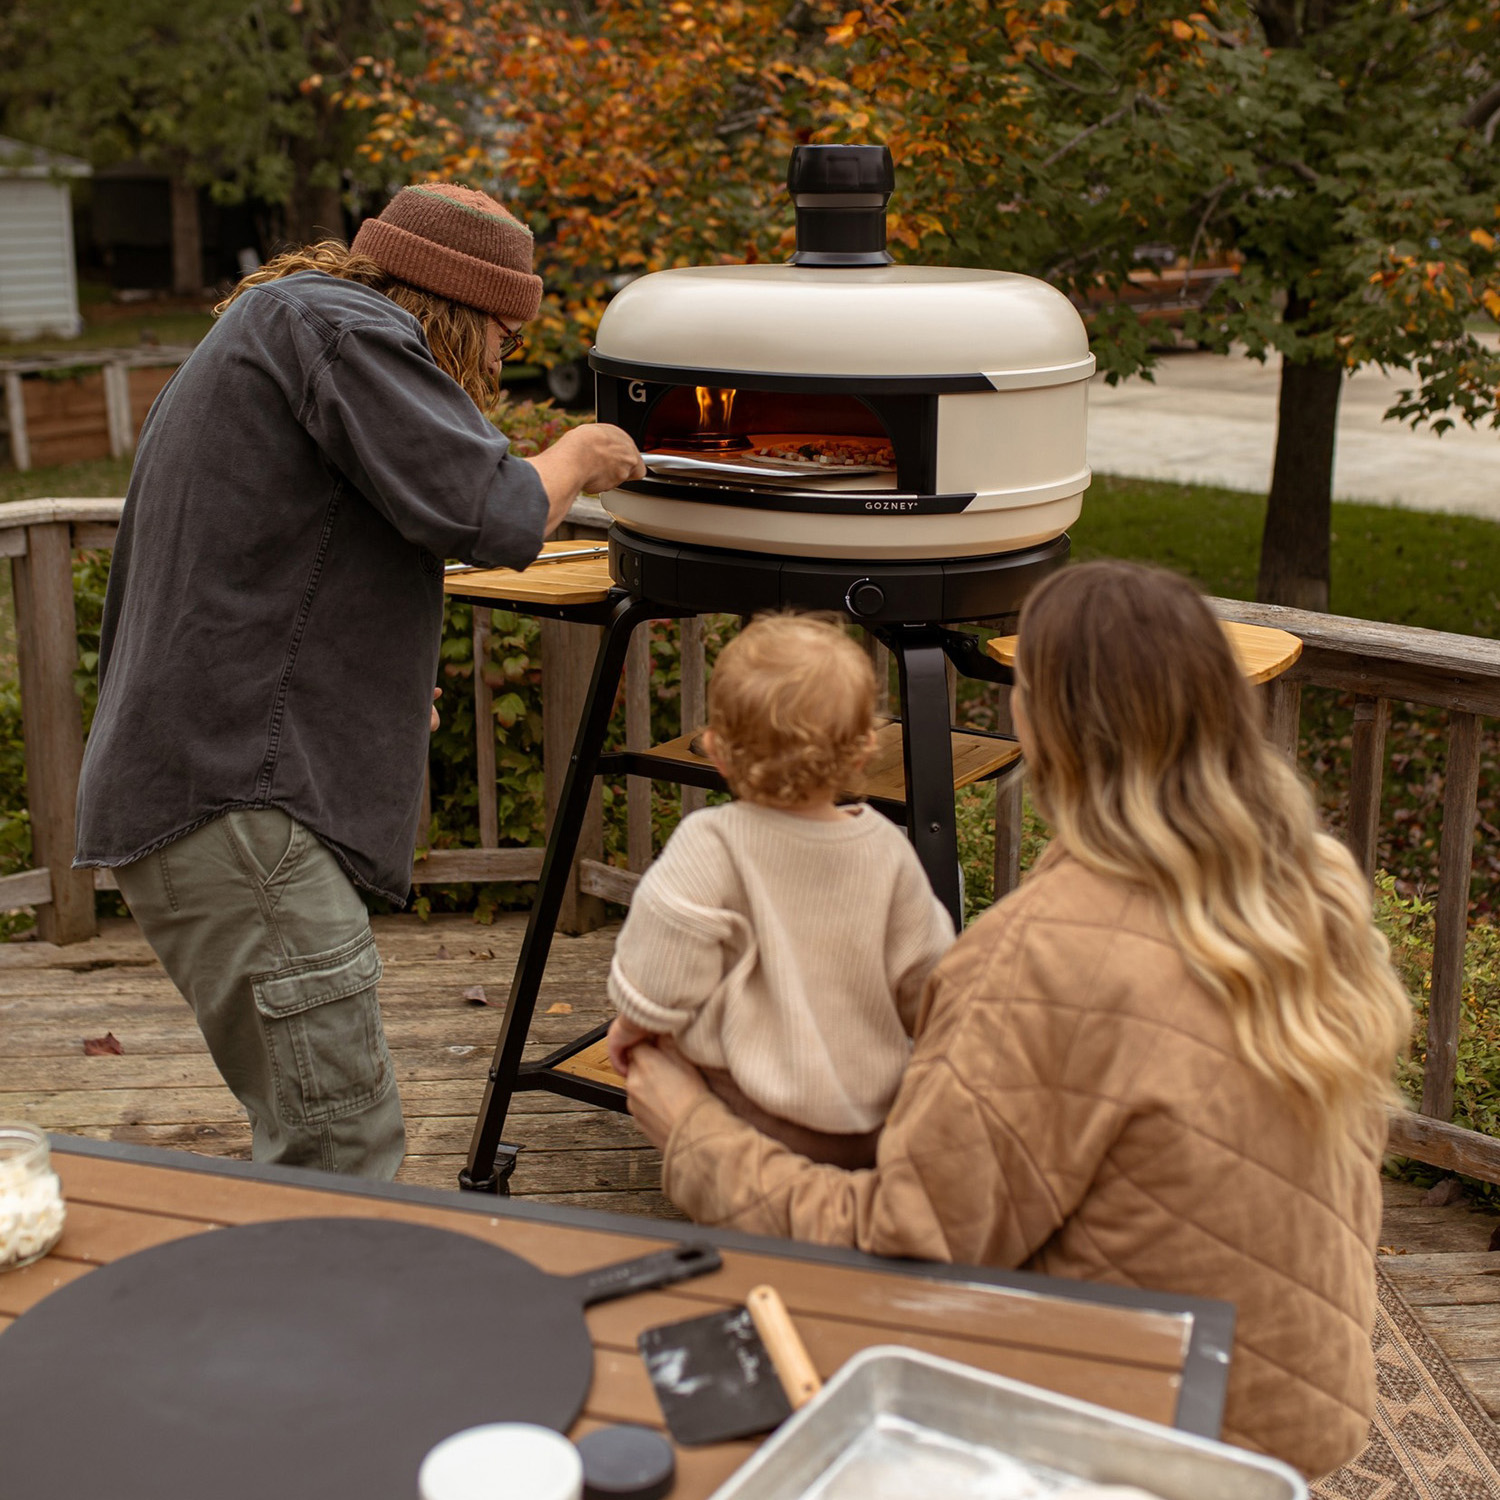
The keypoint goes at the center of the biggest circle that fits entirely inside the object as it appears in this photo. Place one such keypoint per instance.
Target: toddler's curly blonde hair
(791, 704)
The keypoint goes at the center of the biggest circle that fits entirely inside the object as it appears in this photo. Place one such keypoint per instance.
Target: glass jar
(31, 1200)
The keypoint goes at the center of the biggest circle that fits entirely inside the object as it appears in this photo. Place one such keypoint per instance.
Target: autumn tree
(633, 134)
(222, 94)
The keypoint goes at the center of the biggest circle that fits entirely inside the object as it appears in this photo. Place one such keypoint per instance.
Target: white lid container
(502, 1461)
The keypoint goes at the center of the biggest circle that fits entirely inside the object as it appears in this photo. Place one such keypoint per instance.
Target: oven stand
(921, 653)
(484, 1172)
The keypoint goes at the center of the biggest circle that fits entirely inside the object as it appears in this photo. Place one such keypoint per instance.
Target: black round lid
(626, 1461)
(841, 169)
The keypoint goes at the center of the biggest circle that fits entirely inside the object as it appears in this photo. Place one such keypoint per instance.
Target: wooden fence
(1380, 664)
(93, 408)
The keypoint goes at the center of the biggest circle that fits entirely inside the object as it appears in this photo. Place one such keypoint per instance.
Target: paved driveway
(1211, 419)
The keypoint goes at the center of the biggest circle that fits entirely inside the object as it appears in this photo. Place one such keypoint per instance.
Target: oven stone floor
(162, 1089)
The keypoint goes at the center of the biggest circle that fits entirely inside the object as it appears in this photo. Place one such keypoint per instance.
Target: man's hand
(436, 694)
(594, 457)
(623, 1036)
(661, 1086)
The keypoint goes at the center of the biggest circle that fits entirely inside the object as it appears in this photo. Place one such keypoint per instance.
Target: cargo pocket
(321, 1020)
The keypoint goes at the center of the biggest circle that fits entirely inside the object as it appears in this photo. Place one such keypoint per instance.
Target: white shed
(38, 282)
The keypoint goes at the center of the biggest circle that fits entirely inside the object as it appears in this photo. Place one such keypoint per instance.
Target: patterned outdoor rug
(1430, 1440)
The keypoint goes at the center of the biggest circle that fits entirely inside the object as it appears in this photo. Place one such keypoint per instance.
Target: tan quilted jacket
(1075, 1105)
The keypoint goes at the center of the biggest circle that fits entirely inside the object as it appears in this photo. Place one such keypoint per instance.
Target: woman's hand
(662, 1086)
(436, 694)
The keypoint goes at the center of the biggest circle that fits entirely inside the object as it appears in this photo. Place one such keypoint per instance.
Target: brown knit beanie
(458, 243)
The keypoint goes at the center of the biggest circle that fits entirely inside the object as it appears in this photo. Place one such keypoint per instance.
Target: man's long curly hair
(457, 335)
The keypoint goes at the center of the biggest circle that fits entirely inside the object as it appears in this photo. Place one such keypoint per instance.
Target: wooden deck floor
(162, 1089)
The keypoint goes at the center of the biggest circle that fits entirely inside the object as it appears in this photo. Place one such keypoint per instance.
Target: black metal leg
(927, 748)
(481, 1174)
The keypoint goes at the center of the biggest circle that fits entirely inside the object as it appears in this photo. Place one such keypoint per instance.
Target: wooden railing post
(638, 737)
(484, 733)
(1372, 717)
(116, 374)
(52, 723)
(1008, 792)
(1284, 715)
(1455, 865)
(15, 416)
(880, 664)
(568, 653)
(693, 683)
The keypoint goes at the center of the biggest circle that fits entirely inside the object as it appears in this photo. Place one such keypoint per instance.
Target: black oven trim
(775, 380)
(804, 502)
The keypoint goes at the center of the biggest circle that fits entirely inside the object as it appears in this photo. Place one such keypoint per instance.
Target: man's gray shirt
(275, 603)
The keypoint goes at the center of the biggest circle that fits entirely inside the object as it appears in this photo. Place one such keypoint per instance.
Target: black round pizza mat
(313, 1358)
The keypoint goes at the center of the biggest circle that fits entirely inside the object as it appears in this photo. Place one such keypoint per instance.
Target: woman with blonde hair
(1164, 1062)
(271, 631)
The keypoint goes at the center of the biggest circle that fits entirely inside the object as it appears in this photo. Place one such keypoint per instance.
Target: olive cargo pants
(270, 943)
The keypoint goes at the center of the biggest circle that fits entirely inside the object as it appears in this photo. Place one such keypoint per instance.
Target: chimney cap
(841, 169)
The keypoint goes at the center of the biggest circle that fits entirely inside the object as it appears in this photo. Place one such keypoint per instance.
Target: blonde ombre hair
(1151, 764)
(791, 704)
(457, 335)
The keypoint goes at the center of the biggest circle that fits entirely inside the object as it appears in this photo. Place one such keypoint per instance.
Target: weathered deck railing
(1380, 664)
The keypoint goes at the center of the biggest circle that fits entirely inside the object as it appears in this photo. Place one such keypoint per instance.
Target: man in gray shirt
(271, 632)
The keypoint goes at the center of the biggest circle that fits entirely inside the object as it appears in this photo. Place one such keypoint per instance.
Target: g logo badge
(636, 390)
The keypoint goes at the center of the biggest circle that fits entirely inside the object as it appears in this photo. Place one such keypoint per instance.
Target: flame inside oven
(715, 408)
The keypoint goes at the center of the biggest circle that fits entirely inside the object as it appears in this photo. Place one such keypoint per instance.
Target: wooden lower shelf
(975, 757)
(592, 1064)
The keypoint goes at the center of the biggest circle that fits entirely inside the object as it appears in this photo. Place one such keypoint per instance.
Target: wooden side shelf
(975, 757)
(583, 580)
(1263, 653)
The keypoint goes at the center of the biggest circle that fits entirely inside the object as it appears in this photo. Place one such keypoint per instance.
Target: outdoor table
(1153, 1355)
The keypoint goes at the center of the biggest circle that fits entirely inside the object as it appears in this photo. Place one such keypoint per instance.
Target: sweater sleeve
(955, 1178)
(678, 941)
(412, 442)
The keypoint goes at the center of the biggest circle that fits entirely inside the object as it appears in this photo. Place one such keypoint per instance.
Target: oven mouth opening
(748, 436)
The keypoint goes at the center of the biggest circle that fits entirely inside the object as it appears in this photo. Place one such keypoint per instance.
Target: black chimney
(841, 193)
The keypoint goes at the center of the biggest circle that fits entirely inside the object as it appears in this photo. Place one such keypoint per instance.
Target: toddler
(782, 940)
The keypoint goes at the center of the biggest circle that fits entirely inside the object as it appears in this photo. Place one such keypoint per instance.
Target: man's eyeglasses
(511, 343)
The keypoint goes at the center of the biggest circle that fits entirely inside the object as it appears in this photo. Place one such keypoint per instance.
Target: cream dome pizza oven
(841, 406)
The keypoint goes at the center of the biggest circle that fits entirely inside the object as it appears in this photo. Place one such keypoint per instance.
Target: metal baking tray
(895, 1424)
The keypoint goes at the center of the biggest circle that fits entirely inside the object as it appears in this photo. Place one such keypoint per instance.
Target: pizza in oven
(827, 452)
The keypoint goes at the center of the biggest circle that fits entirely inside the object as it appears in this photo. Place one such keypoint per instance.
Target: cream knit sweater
(789, 951)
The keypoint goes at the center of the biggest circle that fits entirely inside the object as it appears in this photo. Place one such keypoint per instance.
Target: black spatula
(729, 1374)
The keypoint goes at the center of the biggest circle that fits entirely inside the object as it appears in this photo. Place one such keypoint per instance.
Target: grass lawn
(108, 324)
(101, 476)
(1409, 567)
